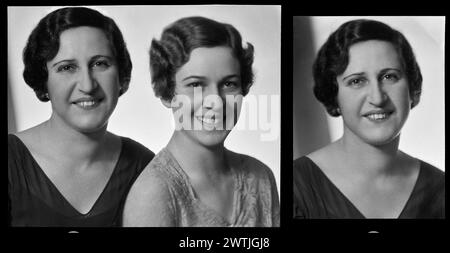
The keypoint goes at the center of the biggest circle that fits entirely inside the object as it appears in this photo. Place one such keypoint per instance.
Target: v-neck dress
(33, 200)
(255, 202)
(316, 197)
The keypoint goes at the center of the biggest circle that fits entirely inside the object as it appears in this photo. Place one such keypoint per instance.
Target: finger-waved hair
(178, 40)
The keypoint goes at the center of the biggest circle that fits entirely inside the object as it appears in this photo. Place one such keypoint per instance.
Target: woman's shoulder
(308, 170)
(152, 181)
(159, 179)
(316, 159)
(427, 172)
(323, 159)
(324, 154)
(16, 151)
(151, 199)
(13, 142)
(239, 159)
(302, 163)
(304, 170)
(27, 138)
(432, 170)
(20, 160)
(135, 147)
(161, 161)
(432, 175)
(20, 145)
(250, 164)
(161, 170)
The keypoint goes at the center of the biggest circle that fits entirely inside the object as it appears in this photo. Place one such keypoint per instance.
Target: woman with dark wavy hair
(367, 73)
(69, 171)
(201, 71)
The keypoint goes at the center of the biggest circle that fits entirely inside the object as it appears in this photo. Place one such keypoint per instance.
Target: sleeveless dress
(33, 200)
(316, 197)
(255, 204)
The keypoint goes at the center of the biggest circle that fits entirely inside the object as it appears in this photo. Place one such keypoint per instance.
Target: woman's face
(211, 83)
(83, 79)
(373, 92)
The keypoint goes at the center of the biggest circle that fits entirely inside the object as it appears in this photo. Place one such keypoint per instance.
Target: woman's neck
(83, 146)
(367, 158)
(196, 159)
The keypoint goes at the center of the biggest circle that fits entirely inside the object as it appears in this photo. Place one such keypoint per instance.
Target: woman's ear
(166, 103)
(416, 98)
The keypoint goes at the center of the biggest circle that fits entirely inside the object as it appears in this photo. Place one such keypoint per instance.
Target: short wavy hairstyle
(333, 57)
(178, 40)
(43, 45)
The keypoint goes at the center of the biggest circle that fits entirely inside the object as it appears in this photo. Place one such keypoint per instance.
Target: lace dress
(255, 203)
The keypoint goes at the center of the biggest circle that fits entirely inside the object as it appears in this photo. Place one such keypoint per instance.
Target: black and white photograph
(368, 110)
(144, 116)
(175, 124)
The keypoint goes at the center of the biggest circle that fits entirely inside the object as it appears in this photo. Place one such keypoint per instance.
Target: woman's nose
(87, 82)
(377, 95)
(212, 98)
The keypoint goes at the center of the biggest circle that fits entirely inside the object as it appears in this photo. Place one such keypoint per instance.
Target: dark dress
(33, 200)
(316, 197)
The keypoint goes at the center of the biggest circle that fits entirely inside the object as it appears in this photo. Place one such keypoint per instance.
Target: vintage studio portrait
(368, 118)
(144, 116)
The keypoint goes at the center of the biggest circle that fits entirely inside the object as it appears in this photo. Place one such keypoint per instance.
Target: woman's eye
(66, 68)
(101, 64)
(195, 84)
(390, 77)
(357, 82)
(230, 84)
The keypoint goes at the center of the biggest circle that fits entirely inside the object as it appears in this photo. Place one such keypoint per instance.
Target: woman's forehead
(83, 41)
(210, 62)
(372, 55)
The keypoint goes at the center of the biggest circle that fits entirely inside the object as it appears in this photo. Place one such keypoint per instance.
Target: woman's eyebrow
(65, 60)
(354, 74)
(231, 76)
(388, 69)
(97, 57)
(203, 77)
(102, 56)
(193, 76)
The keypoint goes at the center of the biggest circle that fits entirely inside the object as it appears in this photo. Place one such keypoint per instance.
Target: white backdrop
(423, 134)
(139, 114)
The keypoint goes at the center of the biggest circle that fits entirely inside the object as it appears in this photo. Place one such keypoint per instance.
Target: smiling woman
(69, 170)
(367, 73)
(195, 181)
(85, 63)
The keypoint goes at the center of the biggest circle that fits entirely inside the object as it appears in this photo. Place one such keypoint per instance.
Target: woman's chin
(380, 139)
(211, 138)
(91, 127)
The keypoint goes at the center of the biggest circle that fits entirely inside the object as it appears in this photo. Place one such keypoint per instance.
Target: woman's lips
(211, 123)
(378, 115)
(87, 103)
(209, 120)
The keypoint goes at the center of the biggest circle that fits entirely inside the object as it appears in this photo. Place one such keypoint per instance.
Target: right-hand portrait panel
(369, 117)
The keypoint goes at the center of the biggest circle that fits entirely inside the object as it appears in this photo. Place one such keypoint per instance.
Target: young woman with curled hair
(69, 171)
(367, 73)
(196, 66)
